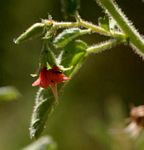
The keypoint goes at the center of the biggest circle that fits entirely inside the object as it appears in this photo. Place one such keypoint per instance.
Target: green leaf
(47, 55)
(69, 7)
(104, 23)
(67, 36)
(35, 30)
(8, 93)
(73, 53)
(44, 143)
(43, 107)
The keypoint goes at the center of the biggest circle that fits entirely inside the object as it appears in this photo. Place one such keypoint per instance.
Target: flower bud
(33, 31)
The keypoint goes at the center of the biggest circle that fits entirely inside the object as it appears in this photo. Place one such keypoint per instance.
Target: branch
(82, 23)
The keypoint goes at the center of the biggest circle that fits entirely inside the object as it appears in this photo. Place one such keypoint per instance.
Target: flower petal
(36, 83)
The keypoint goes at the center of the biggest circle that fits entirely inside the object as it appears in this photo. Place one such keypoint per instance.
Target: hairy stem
(103, 46)
(82, 23)
(126, 26)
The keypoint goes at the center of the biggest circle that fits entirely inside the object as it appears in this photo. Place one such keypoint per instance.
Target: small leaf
(33, 31)
(73, 53)
(8, 93)
(71, 50)
(69, 7)
(44, 143)
(104, 23)
(43, 107)
(67, 36)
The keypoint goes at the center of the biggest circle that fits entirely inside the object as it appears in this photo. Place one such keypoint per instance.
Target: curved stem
(126, 26)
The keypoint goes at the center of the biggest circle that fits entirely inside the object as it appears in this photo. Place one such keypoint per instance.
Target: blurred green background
(118, 72)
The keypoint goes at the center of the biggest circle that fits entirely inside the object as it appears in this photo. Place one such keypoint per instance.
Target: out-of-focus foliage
(44, 143)
(8, 93)
(69, 7)
(112, 133)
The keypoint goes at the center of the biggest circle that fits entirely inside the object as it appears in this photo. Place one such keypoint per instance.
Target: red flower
(50, 77)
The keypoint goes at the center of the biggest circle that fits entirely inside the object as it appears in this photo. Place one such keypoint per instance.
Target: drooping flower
(49, 77)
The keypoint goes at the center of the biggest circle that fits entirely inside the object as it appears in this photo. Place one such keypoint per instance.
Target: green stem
(93, 27)
(126, 26)
(88, 25)
(65, 24)
(100, 30)
(103, 46)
